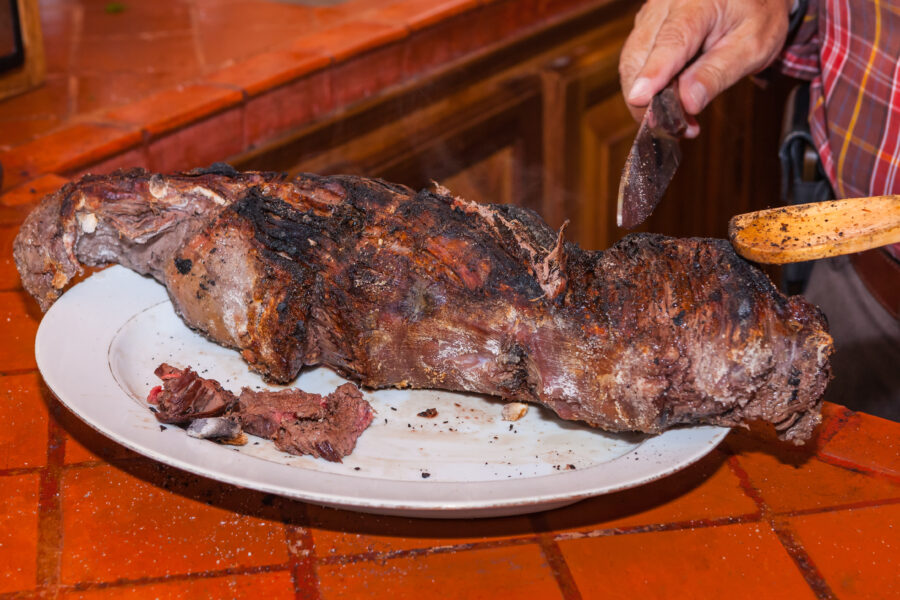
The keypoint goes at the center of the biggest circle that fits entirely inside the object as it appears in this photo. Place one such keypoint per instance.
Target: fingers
(678, 39)
(693, 127)
(637, 47)
(726, 41)
(735, 55)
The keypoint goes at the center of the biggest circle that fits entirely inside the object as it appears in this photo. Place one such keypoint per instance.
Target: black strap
(803, 178)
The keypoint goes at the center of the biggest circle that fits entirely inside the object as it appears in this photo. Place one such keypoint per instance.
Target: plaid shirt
(849, 50)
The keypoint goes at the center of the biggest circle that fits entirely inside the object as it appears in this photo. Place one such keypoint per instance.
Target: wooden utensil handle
(818, 230)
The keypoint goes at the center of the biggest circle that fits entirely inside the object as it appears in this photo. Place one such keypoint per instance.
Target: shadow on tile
(706, 490)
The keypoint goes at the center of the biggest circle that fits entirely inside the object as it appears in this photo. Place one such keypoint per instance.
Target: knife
(653, 158)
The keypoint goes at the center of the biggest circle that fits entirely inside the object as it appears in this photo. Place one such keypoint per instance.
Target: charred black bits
(679, 318)
(426, 475)
(429, 413)
(184, 265)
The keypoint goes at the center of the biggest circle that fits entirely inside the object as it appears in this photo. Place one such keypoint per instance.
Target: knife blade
(653, 159)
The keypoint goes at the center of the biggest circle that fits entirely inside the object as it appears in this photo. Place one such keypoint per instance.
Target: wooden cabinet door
(731, 168)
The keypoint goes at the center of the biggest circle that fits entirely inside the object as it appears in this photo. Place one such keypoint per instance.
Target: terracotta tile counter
(82, 517)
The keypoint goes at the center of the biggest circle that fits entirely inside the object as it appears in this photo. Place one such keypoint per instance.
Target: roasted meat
(396, 288)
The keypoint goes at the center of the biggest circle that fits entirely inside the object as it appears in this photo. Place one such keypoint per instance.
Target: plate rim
(141, 293)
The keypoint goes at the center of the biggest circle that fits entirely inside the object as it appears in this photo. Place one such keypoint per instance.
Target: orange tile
(367, 74)
(733, 561)
(173, 108)
(264, 585)
(497, 573)
(329, 16)
(340, 532)
(705, 491)
(98, 91)
(23, 412)
(58, 25)
(154, 521)
(269, 70)
(21, 131)
(280, 110)
(9, 276)
(174, 51)
(32, 191)
(18, 531)
(65, 149)
(252, 15)
(230, 44)
(350, 38)
(19, 317)
(417, 14)
(869, 442)
(14, 215)
(790, 482)
(199, 144)
(856, 551)
(233, 31)
(136, 18)
(50, 99)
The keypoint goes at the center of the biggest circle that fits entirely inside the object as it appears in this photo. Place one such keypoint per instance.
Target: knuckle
(714, 76)
(673, 36)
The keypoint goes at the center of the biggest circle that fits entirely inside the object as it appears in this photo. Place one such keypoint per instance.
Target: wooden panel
(608, 131)
(486, 142)
(31, 74)
(489, 180)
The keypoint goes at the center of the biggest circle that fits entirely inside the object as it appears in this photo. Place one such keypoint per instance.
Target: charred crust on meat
(392, 287)
(217, 168)
(183, 265)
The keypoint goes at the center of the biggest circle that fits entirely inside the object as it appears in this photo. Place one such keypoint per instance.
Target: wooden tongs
(819, 230)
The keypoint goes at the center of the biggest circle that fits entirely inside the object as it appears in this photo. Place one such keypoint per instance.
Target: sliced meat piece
(185, 396)
(301, 423)
(263, 413)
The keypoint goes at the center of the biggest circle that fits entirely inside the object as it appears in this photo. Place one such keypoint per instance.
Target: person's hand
(726, 39)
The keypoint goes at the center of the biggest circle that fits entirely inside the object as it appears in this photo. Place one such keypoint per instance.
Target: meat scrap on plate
(298, 422)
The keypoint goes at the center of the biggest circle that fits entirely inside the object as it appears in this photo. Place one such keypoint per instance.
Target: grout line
(12, 472)
(22, 371)
(375, 556)
(50, 519)
(555, 558)
(102, 585)
(855, 467)
(839, 507)
(814, 578)
(301, 554)
(660, 527)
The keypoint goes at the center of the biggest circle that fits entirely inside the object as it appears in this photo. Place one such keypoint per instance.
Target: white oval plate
(98, 345)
